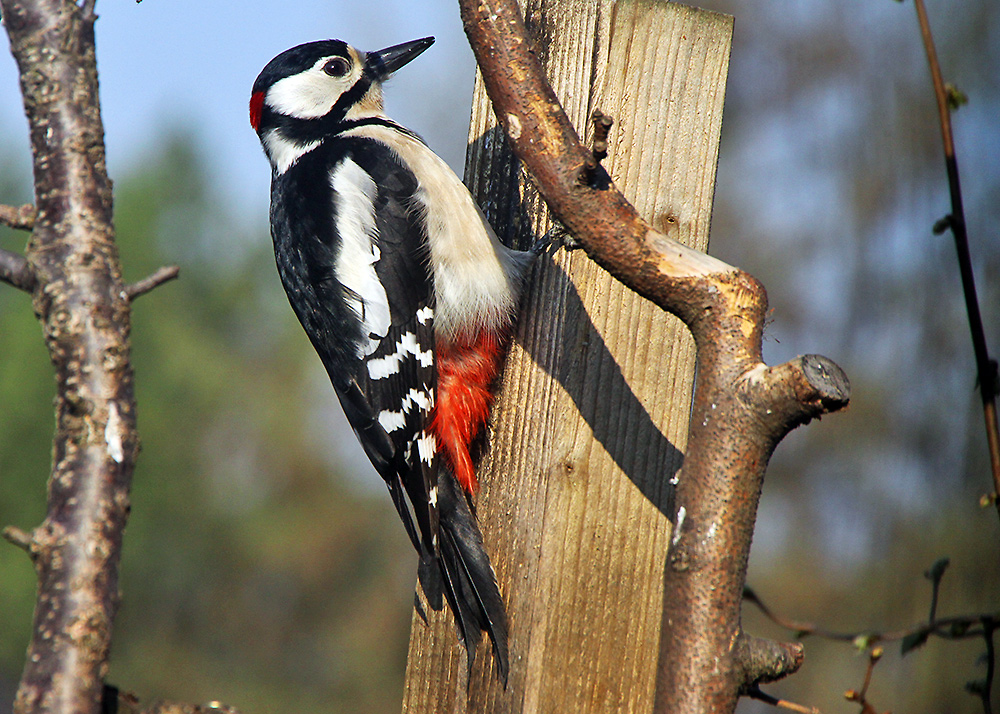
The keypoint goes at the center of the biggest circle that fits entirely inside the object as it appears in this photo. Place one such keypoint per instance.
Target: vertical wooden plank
(592, 415)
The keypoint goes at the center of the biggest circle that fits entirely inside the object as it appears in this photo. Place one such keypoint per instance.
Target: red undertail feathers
(466, 369)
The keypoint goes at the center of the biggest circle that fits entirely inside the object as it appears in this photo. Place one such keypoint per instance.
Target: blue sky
(191, 63)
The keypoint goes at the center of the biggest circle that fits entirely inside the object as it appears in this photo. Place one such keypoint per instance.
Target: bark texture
(593, 408)
(81, 303)
(741, 407)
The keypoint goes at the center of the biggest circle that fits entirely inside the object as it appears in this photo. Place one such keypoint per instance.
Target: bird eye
(337, 67)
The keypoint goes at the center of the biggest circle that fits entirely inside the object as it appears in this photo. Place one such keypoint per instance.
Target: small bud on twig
(602, 125)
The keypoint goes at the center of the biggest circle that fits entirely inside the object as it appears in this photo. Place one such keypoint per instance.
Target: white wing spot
(424, 314)
(424, 400)
(382, 367)
(432, 496)
(392, 420)
(427, 448)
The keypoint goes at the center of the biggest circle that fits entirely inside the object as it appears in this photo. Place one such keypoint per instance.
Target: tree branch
(956, 627)
(986, 368)
(15, 536)
(761, 696)
(150, 282)
(733, 430)
(16, 271)
(18, 217)
(81, 302)
(766, 661)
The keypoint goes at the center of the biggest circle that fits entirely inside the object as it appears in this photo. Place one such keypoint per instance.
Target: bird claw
(555, 238)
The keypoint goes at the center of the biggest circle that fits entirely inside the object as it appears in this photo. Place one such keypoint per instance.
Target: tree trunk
(591, 419)
(73, 271)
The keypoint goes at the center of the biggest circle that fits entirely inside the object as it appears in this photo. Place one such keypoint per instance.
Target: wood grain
(591, 418)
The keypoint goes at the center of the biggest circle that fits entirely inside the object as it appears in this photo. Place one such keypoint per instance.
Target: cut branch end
(762, 660)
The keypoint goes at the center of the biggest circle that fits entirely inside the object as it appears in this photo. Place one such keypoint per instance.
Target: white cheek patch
(310, 94)
(307, 95)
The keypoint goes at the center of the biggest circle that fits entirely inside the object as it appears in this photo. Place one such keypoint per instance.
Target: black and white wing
(389, 390)
(459, 569)
(383, 267)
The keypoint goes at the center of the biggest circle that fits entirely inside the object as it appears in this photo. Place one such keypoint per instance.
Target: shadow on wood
(592, 414)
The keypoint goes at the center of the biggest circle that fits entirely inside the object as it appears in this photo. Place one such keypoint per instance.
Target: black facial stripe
(305, 131)
(351, 97)
(349, 124)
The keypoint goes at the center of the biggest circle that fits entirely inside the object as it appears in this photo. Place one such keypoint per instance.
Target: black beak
(379, 65)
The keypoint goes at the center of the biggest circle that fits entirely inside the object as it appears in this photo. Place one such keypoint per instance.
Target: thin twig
(150, 282)
(873, 658)
(989, 626)
(985, 367)
(862, 697)
(759, 695)
(16, 270)
(935, 573)
(18, 217)
(953, 628)
(866, 706)
(18, 537)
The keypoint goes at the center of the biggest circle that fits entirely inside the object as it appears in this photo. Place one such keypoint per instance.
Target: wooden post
(592, 415)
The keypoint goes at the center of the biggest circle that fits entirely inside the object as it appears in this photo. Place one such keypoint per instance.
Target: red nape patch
(256, 107)
(465, 372)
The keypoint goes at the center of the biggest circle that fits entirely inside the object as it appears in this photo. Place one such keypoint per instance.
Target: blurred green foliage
(257, 571)
(253, 572)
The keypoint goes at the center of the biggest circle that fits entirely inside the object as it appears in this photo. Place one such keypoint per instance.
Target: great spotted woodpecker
(406, 294)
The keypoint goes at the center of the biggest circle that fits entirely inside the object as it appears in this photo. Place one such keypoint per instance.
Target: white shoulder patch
(355, 267)
(476, 278)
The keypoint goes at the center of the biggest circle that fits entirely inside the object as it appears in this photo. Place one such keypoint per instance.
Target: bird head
(305, 90)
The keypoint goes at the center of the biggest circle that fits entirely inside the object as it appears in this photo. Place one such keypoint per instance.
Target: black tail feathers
(463, 574)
